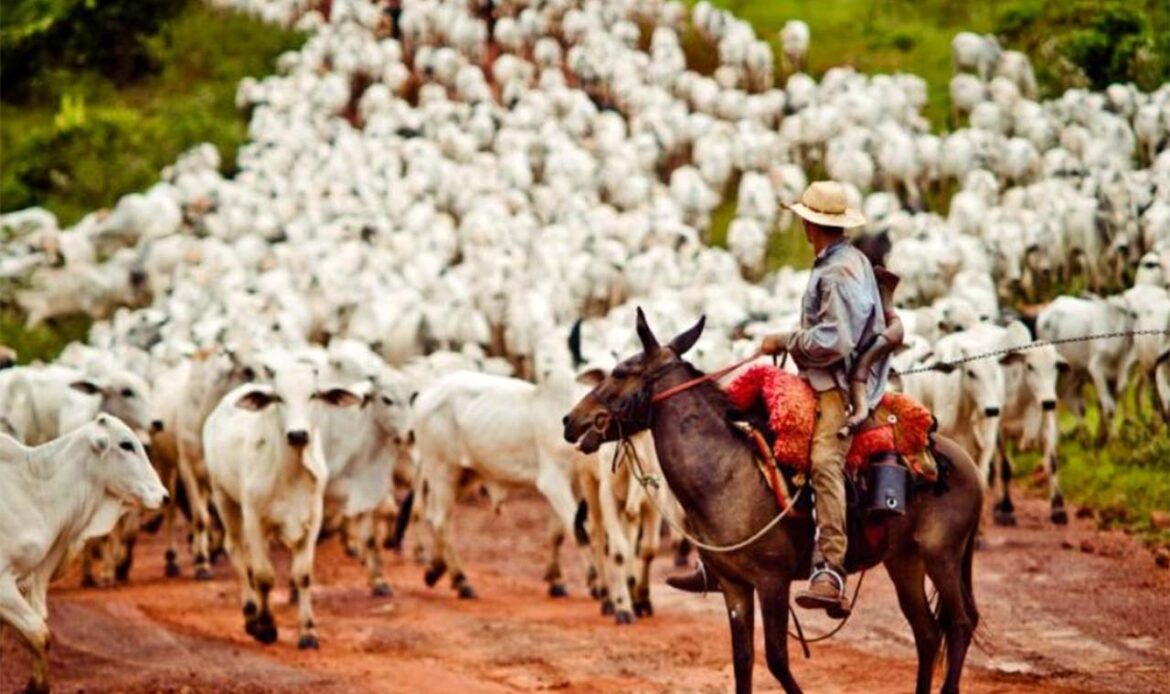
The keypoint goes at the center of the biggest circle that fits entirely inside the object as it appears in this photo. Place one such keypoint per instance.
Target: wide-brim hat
(825, 203)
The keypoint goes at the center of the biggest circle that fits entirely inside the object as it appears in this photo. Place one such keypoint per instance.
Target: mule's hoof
(1059, 516)
(558, 590)
(466, 592)
(433, 574)
(203, 573)
(1005, 519)
(607, 607)
(307, 641)
(643, 608)
(382, 590)
(623, 618)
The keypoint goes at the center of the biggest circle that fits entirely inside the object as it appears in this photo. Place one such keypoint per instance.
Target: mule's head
(619, 405)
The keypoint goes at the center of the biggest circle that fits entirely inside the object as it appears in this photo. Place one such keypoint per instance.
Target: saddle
(784, 406)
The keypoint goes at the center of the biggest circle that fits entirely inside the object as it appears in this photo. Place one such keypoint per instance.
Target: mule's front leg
(741, 610)
(774, 608)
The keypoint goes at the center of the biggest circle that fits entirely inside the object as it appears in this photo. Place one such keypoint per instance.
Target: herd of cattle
(434, 243)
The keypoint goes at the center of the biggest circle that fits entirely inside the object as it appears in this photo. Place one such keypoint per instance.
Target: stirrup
(837, 578)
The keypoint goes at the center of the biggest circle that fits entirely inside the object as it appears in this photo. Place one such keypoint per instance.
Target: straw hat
(824, 203)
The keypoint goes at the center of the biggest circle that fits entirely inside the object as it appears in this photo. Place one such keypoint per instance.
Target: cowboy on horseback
(841, 314)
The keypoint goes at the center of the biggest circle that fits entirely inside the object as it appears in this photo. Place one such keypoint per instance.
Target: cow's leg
(1004, 509)
(171, 556)
(1105, 399)
(260, 573)
(618, 554)
(302, 577)
(553, 575)
(237, 551)
(92, 555)
(1057, 512)
(596, 530)
(16, 611)
(741, 608)
(647, 550)
(365, 526)
(440, 507)
(124, 540)
(774, 611)
(200, 516)
(556, 486)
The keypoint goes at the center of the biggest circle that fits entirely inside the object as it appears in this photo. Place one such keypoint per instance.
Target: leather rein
(705, 378)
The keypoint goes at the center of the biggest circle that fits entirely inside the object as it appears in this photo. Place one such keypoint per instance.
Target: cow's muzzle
(298, 438)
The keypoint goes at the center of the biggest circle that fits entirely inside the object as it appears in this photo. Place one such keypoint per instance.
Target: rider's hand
(774, 344)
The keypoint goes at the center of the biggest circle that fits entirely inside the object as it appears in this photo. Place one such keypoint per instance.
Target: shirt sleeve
(830, 338)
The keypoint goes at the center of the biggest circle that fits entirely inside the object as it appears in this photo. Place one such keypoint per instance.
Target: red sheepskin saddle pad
(899, 424)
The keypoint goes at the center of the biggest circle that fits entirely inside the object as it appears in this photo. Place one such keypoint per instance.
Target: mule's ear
(649, 342)
(591, 377)
(575, 345)
(256, 399)
(687, 338)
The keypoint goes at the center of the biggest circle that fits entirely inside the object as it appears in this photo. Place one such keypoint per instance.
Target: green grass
(43, 342)
(79, 142)
(1124, 481)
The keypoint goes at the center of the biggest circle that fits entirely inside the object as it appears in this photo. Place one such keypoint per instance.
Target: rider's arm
(830, 338)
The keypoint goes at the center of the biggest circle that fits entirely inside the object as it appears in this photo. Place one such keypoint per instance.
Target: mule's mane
(711, 392)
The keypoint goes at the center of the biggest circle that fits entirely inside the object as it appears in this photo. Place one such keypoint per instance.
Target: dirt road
(1058, 619)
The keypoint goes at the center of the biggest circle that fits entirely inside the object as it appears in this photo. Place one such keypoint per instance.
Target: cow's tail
(403, 520)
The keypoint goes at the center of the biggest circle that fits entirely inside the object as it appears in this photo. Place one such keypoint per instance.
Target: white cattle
(795, 38)
(1098, 360)
(53, 498)
(500, 431)
(264, 455)
(1149, 360)
(973, 52)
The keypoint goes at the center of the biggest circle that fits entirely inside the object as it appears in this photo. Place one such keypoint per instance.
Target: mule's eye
(127, 393)
(126, 446)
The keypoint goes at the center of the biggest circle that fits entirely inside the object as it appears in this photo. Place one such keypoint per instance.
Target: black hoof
(1005, 519)
(434, 573)
(307, 641)
(558, 590)
(382, 590)
(389, 543)
(607, 607)
(597, 593)
(352, 552)
(203, 573)
(643, 608)
(217, 554)
(466, 592)
(33, 688)
(122, 573)
(623, 618)
(172, 570)
(88, 581)
(1059, 516)
(263, 629)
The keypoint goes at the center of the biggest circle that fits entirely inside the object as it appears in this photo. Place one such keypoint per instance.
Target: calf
(263, 449)
(53, 498)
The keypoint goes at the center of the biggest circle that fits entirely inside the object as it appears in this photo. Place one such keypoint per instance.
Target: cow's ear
(683, 342)
(86, 386)
(1061, 365)
(941, 366)
(1012, 358)
(339, 397)
(256, 400)
(591, 377)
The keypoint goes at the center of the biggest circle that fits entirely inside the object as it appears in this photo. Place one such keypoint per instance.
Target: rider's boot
(698, 581)
(826, 591)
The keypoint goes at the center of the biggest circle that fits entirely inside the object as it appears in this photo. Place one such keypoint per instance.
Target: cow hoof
(172, 570)
(203, 573)
(607, 607)
(596, 593)
(1005, 519)
(1059, 516)
(307, 641)
(623, 618)
(434, 573)
(466, 592)
(122, 573)
(352, 552)
(88, 581)
(389, 543)
(382, 590)
(264, 629)
(558, 590)
(643, 608)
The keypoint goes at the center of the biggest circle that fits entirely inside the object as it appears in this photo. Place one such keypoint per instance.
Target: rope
(713, 376)
(646, 481)
(1032, 345)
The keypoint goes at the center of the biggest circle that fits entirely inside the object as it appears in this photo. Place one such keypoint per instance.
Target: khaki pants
(828, 476)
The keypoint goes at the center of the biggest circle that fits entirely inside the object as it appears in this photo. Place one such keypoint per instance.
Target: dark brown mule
(709, 467)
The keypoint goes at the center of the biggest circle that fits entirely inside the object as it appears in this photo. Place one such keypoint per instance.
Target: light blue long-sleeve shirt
(841, 313)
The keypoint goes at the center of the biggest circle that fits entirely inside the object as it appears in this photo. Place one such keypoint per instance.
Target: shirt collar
(829, 250)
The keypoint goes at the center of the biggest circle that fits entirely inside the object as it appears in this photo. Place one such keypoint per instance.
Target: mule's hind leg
(956, 611)
(774, 609)
(908, 574)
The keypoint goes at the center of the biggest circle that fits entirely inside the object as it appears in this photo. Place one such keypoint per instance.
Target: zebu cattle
(1099, 361)
(54, 497)
(265, 459)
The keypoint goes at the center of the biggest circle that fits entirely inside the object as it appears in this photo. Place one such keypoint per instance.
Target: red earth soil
(1064, 610)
